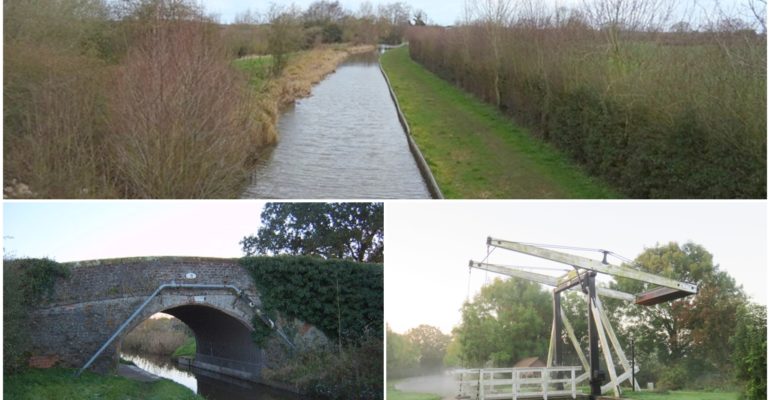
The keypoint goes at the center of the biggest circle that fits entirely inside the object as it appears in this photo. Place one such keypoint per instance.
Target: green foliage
(354, 372)
(750, 354)
(330, 230)
(342, 298)
(431, 345)
(403, 357)
(453, 355)
(689, 336)
(26, 284)
(257, 69)
(680, 395)
(503, 310)
(58, 384)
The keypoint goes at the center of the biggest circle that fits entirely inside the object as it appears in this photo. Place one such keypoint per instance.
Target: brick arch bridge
(216, 298)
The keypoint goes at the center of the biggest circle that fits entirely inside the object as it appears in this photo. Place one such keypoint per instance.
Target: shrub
(181, 122)
(750, 356)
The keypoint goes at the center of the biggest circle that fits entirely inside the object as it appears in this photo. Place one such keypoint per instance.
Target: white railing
(517, 383)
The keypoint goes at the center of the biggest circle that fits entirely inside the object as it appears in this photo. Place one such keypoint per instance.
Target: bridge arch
(216, 298)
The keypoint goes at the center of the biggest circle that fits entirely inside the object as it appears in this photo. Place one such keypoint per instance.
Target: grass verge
(395, 394)
(188, 349)
(257, 68)
(475, 151)
(59, 384)
(681, 395)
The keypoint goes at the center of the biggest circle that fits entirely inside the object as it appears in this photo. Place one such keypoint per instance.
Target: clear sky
(443, 12)
(84, 230)
(428, 245)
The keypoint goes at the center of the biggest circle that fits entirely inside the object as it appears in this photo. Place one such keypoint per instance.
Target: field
(473, 150)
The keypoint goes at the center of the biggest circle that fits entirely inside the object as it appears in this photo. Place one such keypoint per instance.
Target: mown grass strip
(681, 395)
(475, 151)
(59, 384)
(395, 394)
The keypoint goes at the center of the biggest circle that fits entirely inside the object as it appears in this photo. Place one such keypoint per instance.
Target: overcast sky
(442, 12)
(428, 245)
(85, 230)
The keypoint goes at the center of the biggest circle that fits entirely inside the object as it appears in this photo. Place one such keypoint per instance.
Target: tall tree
(402, 356)
(330, 230)
(507, 321)
(431, 344)
(494, 16)
(750, 343)
(695, 329)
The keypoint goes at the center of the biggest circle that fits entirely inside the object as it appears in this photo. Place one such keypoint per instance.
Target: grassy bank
(475, 151)
(58, 384)
(188, 349)
(654, 114)
(395, 394)
(681, 395)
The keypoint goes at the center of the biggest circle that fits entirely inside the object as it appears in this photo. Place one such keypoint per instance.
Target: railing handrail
(174, 285)
(517, 384)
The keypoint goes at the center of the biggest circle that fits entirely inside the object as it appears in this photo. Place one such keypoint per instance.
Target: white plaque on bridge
(199, 299)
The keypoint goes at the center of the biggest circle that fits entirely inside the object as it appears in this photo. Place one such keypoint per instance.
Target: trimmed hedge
(654, 120)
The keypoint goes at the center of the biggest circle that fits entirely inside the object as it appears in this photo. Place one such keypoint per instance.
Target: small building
(529, 362)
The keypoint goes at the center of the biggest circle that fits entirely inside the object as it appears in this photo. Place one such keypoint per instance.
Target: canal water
(342, 142)
(210, 385)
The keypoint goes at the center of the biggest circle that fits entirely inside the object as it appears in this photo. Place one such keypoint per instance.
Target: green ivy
(341, 298)
(26, 283)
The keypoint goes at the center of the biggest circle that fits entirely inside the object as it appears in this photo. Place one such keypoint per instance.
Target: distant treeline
(656, 110)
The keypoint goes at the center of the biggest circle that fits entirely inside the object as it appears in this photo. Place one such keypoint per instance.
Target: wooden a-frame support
(601, 332)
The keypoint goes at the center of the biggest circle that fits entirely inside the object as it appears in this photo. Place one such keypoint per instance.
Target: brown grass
(296, 81)
(160, 336)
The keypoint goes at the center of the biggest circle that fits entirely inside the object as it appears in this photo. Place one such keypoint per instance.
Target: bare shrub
(54, 123)
(181, 121)
(656, 113)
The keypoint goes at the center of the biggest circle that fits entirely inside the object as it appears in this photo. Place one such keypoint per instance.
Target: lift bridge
(556, 380)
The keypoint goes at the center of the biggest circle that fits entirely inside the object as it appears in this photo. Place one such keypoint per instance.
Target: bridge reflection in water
(210, 385)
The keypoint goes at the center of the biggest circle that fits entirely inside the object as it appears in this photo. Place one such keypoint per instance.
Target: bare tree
(285, 34)
(494, 16)
(758, 10)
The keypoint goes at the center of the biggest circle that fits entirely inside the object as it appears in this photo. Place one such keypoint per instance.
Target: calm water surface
(343, 142)
(210, 385)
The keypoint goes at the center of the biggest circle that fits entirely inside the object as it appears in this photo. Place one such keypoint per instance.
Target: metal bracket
(173, 285)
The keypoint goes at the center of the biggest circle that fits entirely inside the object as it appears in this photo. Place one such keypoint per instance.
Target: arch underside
(221, 324)
(223, 344)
